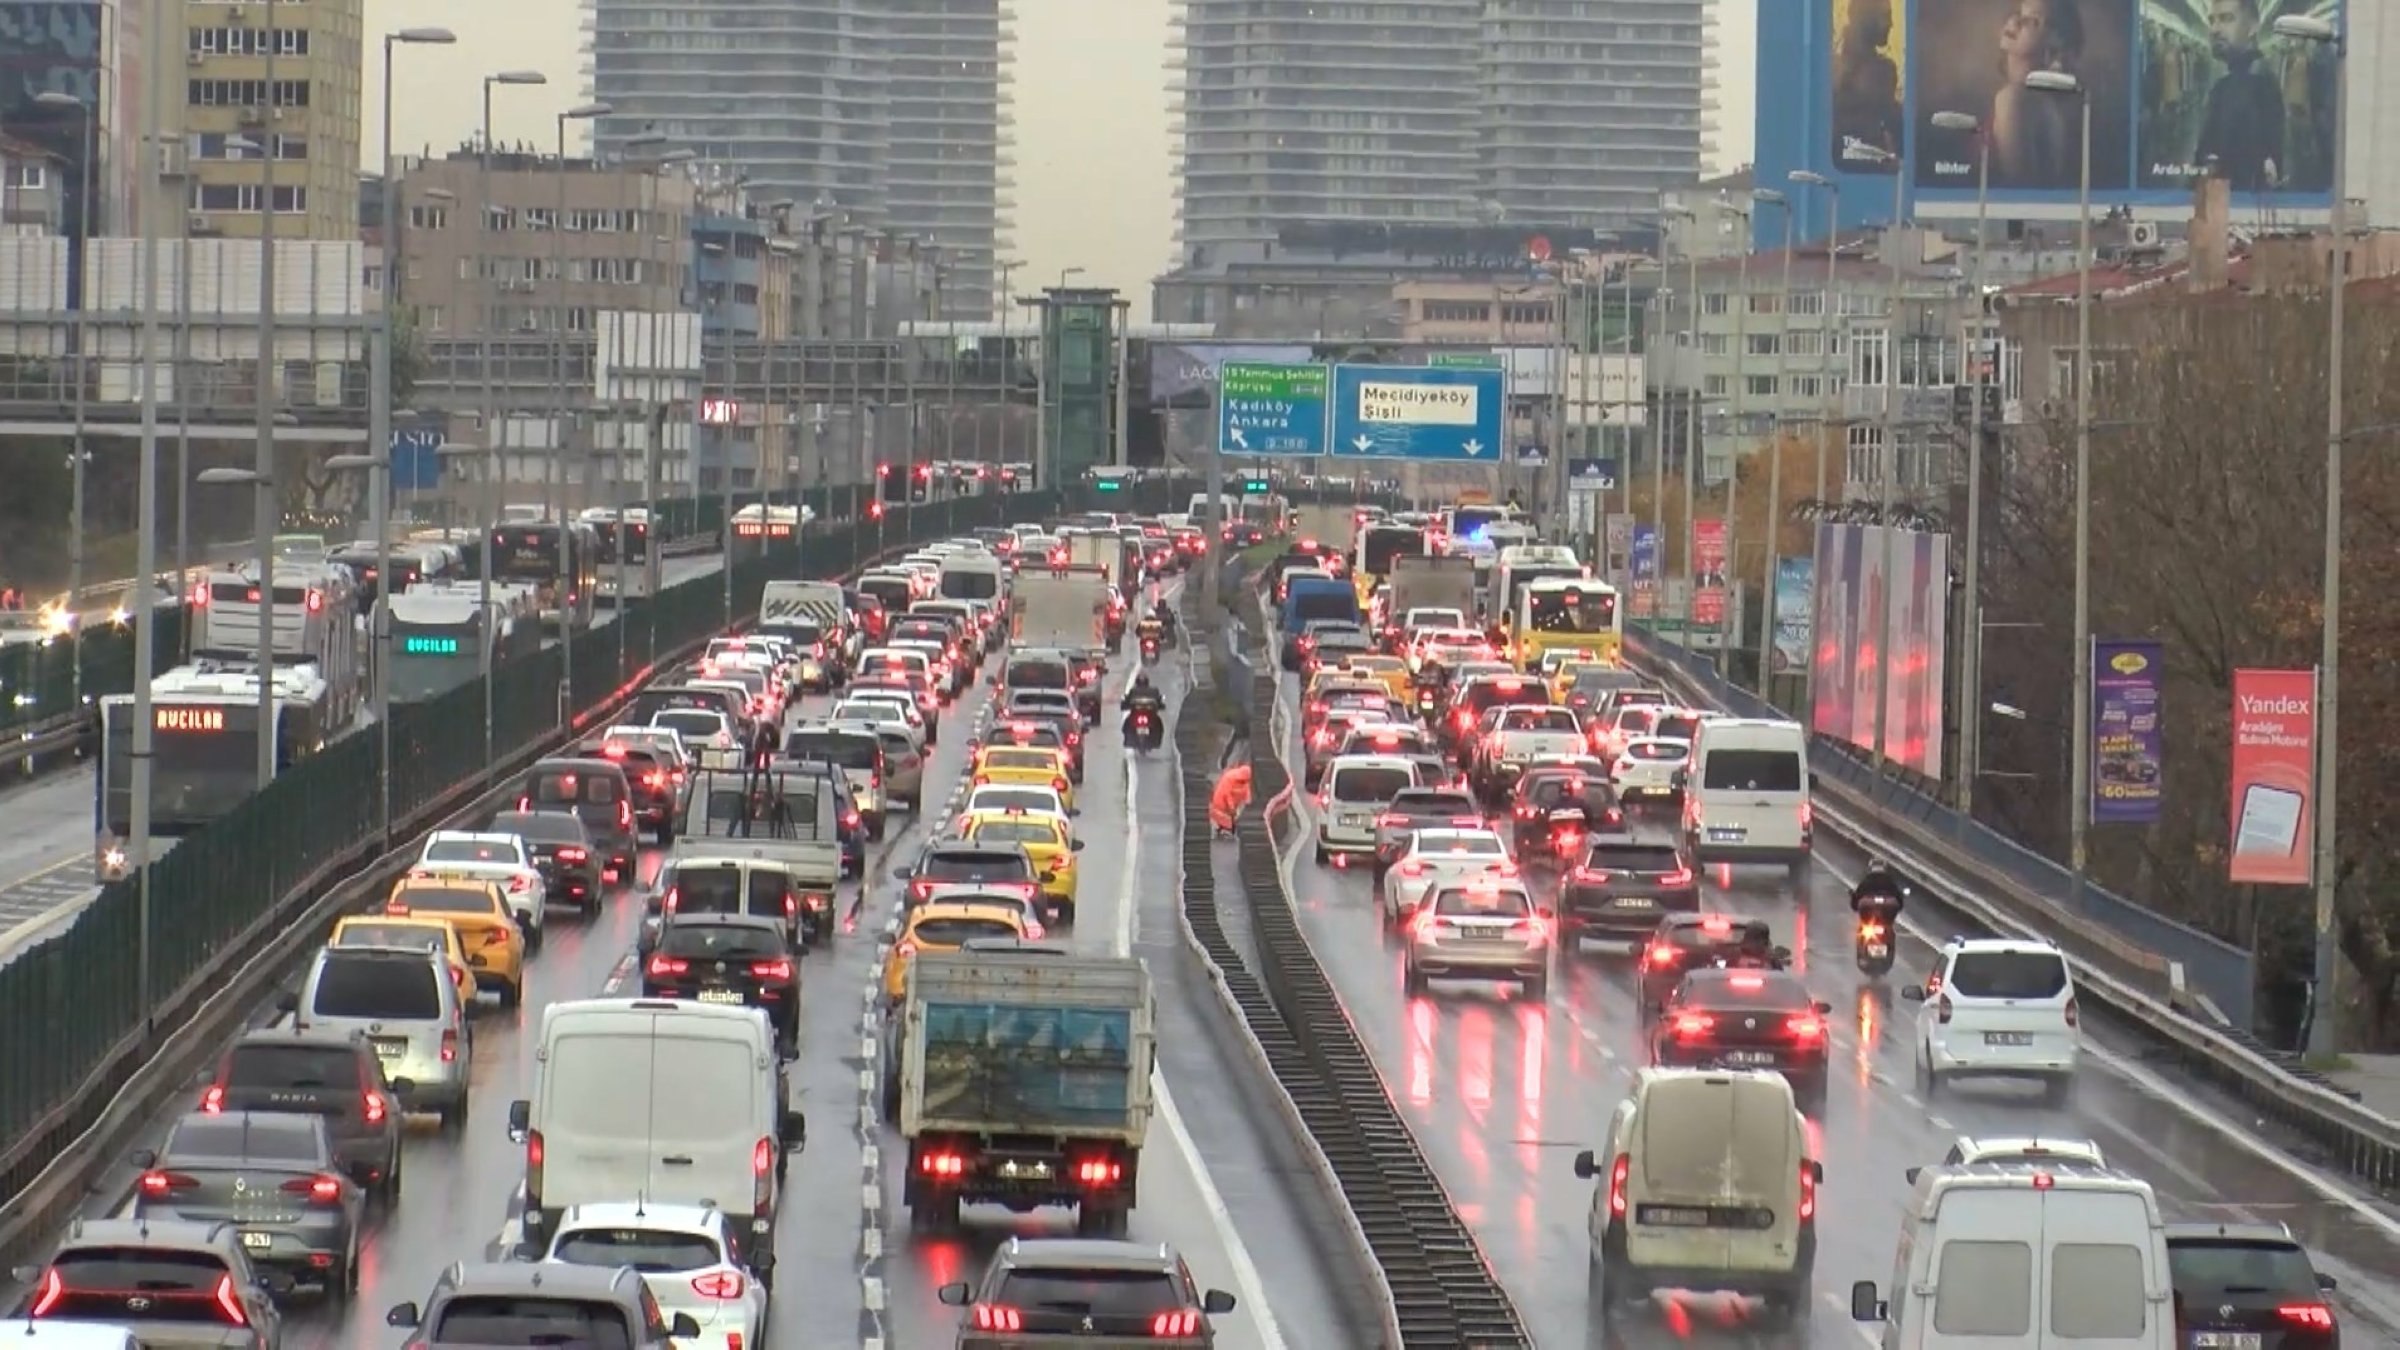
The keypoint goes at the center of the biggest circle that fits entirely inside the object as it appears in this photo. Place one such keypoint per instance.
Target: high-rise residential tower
(1589, 108)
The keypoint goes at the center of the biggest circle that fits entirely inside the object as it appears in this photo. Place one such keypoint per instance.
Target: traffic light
(889, 486)
(874, 510)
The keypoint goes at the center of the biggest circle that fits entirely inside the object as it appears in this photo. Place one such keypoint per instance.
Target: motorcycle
(1874, 948)
(1141, 729)
(1568, 827)
(1150, 642)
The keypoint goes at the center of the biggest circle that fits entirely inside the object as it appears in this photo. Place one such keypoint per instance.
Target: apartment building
(270, 116)
(1589, 108)
(33, 197)
(948, 156)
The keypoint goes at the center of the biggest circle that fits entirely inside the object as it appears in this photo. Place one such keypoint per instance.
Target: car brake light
(1716, 925)
(720, 1284)
(624, 814)
(998, 1317)
(907, 949)
(572, 854)
(943, 1165)
(213, 1100)
(229, 1302)
(654, 779)
(449, 1045)
(371, 1105)
(1179, 1324)
(762, 1157)
(1694, 1024)
(1059, 786)
(2073, 1014)
(1681, 876)
(320, 1190)
(155, 1182)
(772, 970)
(669, 965)
(1808, 1192)
(1805, 1027)
(1617, 1173)
(2307, 1316)
(1099, 1172)
(1941, 1010)
(54, 1290)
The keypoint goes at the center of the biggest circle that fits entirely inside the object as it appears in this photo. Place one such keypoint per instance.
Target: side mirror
(2327, 1283)
(145, 1157)
(955, 1295)
(903, 872)
(520, 1118)
(1864, 1306)
(1076, 846)
(1823, 1007)
(287, 1002)
(402, 1315)
(684, 1327)
(1910, 1176)
(1216, 1301)
(795, 1131)
(655, 905)
(1816, 1171)
(1587, 1166)
(1914, 993)
(1075, 812)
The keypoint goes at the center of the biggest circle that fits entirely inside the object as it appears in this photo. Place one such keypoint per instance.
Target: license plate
(720, 996)
(2225, 1340)
(258, 1242)
(1753, 1058)
(1483, 934)
(1726, 834)
(1354, 818)
(1633, 902)
(2011, 1038)
(388, 1050)
(1667, 1216)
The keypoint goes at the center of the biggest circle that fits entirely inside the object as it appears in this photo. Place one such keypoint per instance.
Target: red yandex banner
(2274, 776)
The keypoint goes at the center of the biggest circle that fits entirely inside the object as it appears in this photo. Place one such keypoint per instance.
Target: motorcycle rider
(1164, 617)
(1755, 949)
(1142, 696)
(1880, 887)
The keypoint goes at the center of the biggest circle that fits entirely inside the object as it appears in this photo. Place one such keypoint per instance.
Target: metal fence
(74, 1024)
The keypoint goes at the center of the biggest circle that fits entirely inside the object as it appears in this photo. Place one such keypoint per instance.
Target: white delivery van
(2026, 1255)
(618, 1089)
(1706, 1188)
(1745, 794)
(972, 574)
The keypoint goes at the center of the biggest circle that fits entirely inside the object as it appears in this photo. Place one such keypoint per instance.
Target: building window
(248, 41)
(1714, 303)
(1713, 344)
(1457, 311)
(1866, 358)
(245, 93)
(1861, 304)
(1766, 304)
(1760, 386)
(246, 197)
(1712, 386)
(1810, 303)
(436, 319)
(22, 175)
(1532, 313)
(1863, 466)
(1765, 344)
(429, 217)
(1805, 386)
(239, 146)
(1806, 342)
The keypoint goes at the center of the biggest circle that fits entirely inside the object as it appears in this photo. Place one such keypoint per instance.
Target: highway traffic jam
(840, 920)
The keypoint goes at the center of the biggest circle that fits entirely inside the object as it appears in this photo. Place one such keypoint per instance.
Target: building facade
(271, 109)
(33, 188)
(1589, 108)
(947, 176)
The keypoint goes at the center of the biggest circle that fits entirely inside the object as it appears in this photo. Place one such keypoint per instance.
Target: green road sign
(1472, 360)
(1271, 409)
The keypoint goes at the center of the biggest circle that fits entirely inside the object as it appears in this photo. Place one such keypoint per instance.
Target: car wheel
(533, 938)
(1412, 980)
(513, 995)
(1929, 1079)
(454, 1116)
(875, 828)
(666, 835)
(388, 1189)
(1324, 858)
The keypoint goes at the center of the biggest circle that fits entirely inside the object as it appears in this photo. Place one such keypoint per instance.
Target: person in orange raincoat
(1232, 794)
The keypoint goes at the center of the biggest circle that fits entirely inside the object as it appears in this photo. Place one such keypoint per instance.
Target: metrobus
(624, 547)
(1570, 614)
(204, 740)
(1516, 566)
(439, 635)
(1471, 520)
(560, 562)
(1379, 542)
(412, 565)
(757, 521)
(314, 623)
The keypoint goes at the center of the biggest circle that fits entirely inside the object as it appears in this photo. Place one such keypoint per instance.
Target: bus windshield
(527, 553)
(1571, 609)
(204, 763)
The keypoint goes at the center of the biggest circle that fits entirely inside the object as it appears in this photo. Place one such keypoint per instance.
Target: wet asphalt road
(1502, 1092)
(1221, 1189)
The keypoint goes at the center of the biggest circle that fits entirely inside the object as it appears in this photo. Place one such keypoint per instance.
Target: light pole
(485, 555)
(270, 148)
(1774, 517)
(1970, 684)
(582, 112)
(395, 218)
(1691, 421)
(1825, 380)
(2079, 808)
(497, 462)
(53, 98)
(147, 191)
(2322, 1033)
(379, 491)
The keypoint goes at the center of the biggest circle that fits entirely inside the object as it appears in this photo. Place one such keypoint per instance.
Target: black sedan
(1621, 886)
(733, 959)
(274, 1177)
(1683, 943)
(562, 849)
(1746, 1019)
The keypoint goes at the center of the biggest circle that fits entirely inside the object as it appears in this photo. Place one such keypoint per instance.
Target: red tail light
(449, 1045)
(1390, 821)
(1617, 1172)
(54, 1289)
(1941, 1010)
(371, 1105)
(654, 779)
(2074, 1015)
(998, 1317)
(1181, 1324)
(1808, 1193)
(1807, 1028)
(213, 1100)
(1059, 786)
(907, 949)
(1681, 876)
(720, 1284)
(771, 970)
(227, 1300)
(572, 854)
(943, 1165)
(1099, 1172)
(319, 1190)
(1692, 1024)
(762, 1157)
(624, 815)
(2307, 1316)
(1414, 867)
(669, 965)
(157, 1183)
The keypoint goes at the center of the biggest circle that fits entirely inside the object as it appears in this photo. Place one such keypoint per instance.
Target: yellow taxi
(1041, 766)
(946, 926)
(381, 930)
(1389, 671)
(1046, 839)
(1331, 680)
(489, 935)
(1562, 676)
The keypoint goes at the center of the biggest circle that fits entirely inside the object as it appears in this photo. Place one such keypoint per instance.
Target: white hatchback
(688, 1257)
(1998, 1008)
(1437, 856)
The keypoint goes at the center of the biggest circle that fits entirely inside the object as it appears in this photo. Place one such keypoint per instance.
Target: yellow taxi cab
(1328, 679)
(382, 930)
(1035, 764)
(1562, 675)
(1389, 671)
(489, 935)
(1046, 839)
(946, 926)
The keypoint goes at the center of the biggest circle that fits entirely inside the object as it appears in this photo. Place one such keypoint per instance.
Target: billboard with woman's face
(1973, 57)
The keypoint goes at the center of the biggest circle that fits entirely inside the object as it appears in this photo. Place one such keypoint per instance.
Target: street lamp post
(1691, 423)
(484, 322)
(395, 217)
(483, 600)
(2079, 808)
(270, 148)
(1970, 694)
(569, 569)
(147, 192)
(1774, 517)
(378, 465)
(1826, 382)
(54, 98)
(2323, 1034)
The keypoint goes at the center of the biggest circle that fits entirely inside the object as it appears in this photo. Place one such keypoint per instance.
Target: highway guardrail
(2148, 990)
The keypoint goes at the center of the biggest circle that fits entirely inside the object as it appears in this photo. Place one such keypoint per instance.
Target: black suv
(562, 849)
(2248, 1284)
(1076, 1288)
(1620, 888)
(335, 1077)
(730, 959)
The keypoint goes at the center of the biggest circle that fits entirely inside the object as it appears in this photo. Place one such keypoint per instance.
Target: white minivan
(1998, 1008)
(1354, 791)
(1745, 794)
(616, 1083)
(2025, 1255)
(1706, 1188)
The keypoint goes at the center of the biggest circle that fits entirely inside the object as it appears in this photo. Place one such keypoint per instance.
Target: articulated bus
(1516, 567)
(314, 621)
(624, 549)
(438, 635)
(1567, 614)
(560, 562)
(1371, 555)
(204, 731)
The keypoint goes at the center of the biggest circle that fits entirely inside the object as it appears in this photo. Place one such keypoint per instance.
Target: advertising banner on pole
(1708, 572)
(1919, 625)
(1645, 572)
(2127, 771)
(1833, 628)
(2274, 776)
(1795, 581)
(1617, 555)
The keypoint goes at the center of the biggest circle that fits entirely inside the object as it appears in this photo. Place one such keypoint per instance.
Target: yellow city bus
(1570, 613)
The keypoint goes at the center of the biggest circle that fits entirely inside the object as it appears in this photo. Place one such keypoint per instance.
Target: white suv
(1998, 1008)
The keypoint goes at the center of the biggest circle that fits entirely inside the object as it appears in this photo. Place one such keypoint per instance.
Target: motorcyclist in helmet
(1164, 617)
(1881, 886)
(1755, 949)
(1140, 693)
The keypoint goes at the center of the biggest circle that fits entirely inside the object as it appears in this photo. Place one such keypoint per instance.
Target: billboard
(2174, 84)
(1708, 581)
(2128, 771)
(1876, 582)
(1795, 579)
(1644, 564)
(2274, 776)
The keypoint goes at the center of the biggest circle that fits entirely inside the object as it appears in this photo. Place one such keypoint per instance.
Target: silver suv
(520, 1303)
(176, 1284)
(402, 1000)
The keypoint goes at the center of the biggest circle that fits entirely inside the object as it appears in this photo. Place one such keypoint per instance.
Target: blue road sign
(1267, 409)
(1593, 474)
(1532, 455)
(416, 461)
(1419, 412)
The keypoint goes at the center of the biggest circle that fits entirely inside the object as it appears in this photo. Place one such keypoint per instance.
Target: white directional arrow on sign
(1239, 440)
(1473, 447)
(1364, 444)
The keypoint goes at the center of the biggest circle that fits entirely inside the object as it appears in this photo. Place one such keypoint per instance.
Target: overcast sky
(1092, 187)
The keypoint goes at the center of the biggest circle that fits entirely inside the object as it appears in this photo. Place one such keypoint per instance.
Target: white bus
(314, 620)
(439, 635)
(204, 743)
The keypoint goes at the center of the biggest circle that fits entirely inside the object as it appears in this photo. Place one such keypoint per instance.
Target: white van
(616, 1083)
(1354, 791)
(1707, 1187)
(1745, 795)
(2026, 1255)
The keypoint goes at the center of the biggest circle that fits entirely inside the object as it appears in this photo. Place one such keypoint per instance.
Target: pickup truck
(1522, 736)
(1021, 1076)
(776, 815)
